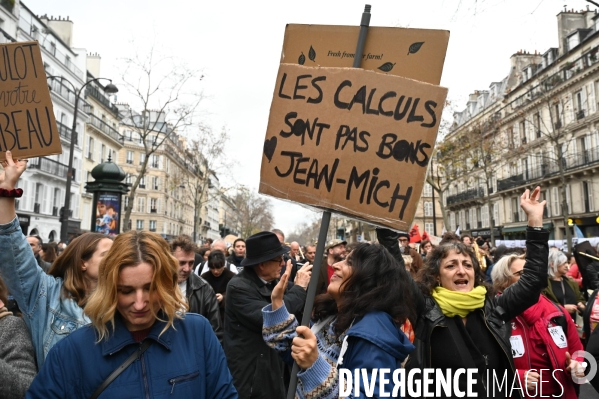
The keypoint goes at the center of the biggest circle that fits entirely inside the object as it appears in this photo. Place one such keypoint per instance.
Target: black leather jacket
(498, 310)
(202, 300)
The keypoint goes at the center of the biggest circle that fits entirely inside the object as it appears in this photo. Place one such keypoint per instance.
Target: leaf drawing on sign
(387, 66)
(415, 47)
(269, 147)
(312, 54)
(302, 59)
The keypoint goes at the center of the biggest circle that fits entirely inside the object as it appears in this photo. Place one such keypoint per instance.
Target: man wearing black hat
(257, 369)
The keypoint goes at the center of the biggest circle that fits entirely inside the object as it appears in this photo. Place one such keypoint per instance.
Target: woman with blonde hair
(543, 337)
(137, 312)
(51, 304)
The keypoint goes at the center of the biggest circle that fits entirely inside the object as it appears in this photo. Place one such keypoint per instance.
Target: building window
(155, 182)
(523, 131)
(429, 227)
(141, 204)
(556, 210)
(428, 208)
(152, 225)
(484, 216)
(142, 158)
(142, 182)
(536, 120)
(155, 161)
(452, 221)
(428, 190)
(130, 157)
(90, 149)
(139, 225)
(153, 205)
(587, 195)
(103, 153)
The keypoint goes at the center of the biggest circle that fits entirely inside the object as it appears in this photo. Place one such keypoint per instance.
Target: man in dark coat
(257, 369)
(36, 246)
(199, 294)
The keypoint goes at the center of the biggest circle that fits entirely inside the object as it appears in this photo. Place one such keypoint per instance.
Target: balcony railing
(66, 92)
(50, 166)
(65, 132)
(102, 99)
(466, 195)
(580, 114)
(510, 182)
(106, 128)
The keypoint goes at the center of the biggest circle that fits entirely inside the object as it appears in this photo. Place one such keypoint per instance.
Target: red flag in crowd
(415, 234)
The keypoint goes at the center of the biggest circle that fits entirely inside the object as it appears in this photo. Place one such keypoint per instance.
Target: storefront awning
(522, 229)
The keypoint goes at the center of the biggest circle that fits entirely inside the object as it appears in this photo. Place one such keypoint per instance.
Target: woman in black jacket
(461, 323)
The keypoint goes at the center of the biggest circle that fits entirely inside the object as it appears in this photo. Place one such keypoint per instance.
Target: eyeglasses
(519, 273)
(278, 260)
(403, 239)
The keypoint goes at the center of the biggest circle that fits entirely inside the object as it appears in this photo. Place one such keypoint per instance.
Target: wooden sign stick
(326, 218)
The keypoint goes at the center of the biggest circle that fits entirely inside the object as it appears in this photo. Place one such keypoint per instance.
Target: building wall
(45, 179)
(545, 96)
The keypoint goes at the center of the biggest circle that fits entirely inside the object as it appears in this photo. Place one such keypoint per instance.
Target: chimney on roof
(63, 29)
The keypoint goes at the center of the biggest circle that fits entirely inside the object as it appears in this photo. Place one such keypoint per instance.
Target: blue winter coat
(184, 362)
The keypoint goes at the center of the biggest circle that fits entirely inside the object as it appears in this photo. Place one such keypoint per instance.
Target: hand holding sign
(12, 171)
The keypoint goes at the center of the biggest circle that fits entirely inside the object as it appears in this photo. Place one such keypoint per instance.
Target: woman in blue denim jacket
(52, 305)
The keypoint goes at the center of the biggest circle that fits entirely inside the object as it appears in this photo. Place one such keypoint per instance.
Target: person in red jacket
(543, 339)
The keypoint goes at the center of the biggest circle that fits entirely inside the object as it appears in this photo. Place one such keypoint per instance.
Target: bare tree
(254, 212)
(206, 153)
(159, 88)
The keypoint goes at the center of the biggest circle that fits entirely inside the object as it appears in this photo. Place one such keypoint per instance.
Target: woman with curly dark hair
(357, 322)
(461, 323)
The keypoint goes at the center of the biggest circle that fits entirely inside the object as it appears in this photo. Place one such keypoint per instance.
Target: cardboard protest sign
(354, 141)
(412, 53)
(27, 124)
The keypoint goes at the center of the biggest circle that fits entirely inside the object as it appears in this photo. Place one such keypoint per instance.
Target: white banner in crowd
(561, 244)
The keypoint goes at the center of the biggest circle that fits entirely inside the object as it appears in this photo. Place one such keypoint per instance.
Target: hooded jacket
(373, 342)
(186, 361)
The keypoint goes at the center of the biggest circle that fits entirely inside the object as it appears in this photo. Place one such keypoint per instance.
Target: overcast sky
(237, 45)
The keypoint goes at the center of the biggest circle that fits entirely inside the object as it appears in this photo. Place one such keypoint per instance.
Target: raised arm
(8, 181)
(389, 239)
(525, 293)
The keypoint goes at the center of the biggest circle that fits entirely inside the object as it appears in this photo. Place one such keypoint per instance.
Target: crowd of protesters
(137, 316)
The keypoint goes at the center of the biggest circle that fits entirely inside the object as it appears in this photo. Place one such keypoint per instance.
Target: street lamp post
(64, 215)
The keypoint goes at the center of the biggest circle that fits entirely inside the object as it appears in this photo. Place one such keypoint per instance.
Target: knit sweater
(17, 359)
(387, 347)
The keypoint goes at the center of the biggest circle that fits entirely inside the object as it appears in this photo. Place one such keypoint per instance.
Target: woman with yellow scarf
(461, 324)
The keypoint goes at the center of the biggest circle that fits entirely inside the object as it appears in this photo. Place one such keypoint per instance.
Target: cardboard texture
(349, 140)
(412, 53)
(27, 124)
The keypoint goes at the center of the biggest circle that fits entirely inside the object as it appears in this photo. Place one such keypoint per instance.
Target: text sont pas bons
(354, 141)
